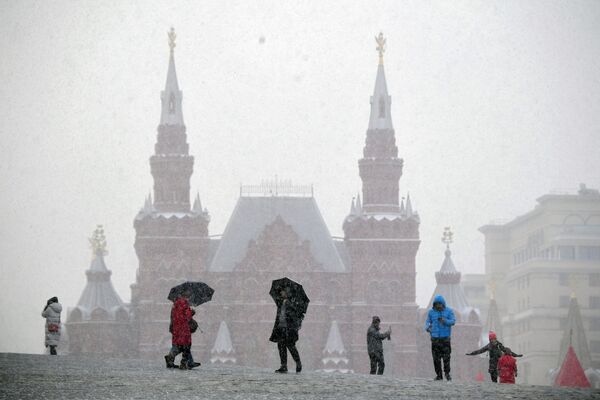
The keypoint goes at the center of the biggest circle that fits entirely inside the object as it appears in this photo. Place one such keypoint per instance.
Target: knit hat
(376, 319)
(492, 335)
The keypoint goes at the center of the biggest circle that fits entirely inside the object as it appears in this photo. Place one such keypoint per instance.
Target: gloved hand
(441, 320)
(468, 354)
(428, 329)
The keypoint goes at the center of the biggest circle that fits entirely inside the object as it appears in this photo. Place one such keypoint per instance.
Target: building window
(594, 279)
(566, 252)
(595, 324)
(563, 279)
(563, 301)
(589, 252)
(595, 302)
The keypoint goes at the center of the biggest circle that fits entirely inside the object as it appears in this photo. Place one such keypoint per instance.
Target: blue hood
(439, 299)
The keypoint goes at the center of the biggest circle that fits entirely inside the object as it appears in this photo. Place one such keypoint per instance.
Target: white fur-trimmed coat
(52, 315)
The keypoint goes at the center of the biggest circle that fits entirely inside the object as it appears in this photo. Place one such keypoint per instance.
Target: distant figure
(52, 314)
(495, 349)
(175, 351)
(439, 325)
(507, 367)
(181, 314)
(375, 346)
(285, 332)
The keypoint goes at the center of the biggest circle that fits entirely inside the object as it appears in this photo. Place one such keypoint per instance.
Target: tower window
(381, 107)
(172, 104)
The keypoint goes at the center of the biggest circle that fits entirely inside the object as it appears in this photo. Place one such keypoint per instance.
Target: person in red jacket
(507, 367)
(181, 314)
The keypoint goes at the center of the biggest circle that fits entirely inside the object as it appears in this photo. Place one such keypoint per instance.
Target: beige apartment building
(537, 262)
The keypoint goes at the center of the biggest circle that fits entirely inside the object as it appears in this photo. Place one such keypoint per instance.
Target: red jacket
(181, 313)
(507, 369)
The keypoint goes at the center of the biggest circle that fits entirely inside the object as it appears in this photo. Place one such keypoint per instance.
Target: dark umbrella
(296, 294)
(199, 292)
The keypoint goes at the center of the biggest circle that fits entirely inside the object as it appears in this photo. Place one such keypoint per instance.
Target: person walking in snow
(507, 367)
(375, 346)
(52, 314)
(181, 314)
(495, 350)
(439, 322)
(285, 332)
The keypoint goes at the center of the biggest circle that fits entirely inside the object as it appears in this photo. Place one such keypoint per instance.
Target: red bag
(53, 327)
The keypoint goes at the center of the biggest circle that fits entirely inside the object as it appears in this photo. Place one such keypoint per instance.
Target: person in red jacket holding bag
(507, 367)
(181, 314)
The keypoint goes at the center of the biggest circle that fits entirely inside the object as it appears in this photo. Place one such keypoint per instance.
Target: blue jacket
(438, 329)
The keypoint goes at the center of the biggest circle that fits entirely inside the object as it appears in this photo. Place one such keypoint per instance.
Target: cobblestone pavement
(27, 376)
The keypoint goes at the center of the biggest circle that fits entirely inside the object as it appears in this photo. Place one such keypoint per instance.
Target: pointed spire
(409, 210)
(493, 323)
(571, 372)
(402, 209)
(334, 343)
(171, 97)
(359, 209)
(574, 336)
(334, 354)
(222, 351)
(380, 117)
(197, 208)
(353, 207)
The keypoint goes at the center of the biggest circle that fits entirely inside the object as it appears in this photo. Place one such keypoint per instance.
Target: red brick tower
(171, 239)
(382, 238)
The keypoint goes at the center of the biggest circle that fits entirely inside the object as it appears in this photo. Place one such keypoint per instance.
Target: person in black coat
(285, 332)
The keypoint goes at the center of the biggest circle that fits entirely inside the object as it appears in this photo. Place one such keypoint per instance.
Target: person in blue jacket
(439, 325)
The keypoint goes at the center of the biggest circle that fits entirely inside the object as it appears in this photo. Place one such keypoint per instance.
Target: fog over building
(276, 230)
(545, 266)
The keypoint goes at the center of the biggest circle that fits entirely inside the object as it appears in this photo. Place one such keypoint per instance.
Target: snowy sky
(494, 104)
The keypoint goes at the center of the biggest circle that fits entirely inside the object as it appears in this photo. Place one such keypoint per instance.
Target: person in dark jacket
(181, 314)
(439, 322)
(375, 346)
(495, 350)
(285, 332)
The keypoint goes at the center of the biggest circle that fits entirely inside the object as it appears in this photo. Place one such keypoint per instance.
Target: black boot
(53, 350)
(282, 370)
(170, 361)
(448, 377)
(298, 367)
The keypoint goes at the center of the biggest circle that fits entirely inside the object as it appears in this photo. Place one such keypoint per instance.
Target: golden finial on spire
(98, 241)
(380, 46)
(172, 37)
(447, 236)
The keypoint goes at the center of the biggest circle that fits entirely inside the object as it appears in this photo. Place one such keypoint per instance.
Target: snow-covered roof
(449, 286)
(99, 292)
(252, 214)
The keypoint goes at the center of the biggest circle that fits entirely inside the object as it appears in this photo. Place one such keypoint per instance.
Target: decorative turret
(99, 299)
(223, 352)
(448, 282)
(493, 322)
(334, 354)
(574, 335)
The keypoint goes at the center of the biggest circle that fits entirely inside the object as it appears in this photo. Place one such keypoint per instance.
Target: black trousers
(53, 350)
(440, 350)
(283, 346)
(494, 375)
(377, 363)
(186, 353)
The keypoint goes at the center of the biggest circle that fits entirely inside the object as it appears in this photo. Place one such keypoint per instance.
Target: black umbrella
(198, 292)
(296, 294)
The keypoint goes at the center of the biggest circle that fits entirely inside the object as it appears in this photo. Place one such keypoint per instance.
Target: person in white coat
(52, 314)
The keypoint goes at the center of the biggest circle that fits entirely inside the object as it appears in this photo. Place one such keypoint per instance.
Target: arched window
(172, 104)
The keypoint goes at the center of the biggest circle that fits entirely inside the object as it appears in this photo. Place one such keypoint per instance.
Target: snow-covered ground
(26, 376)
